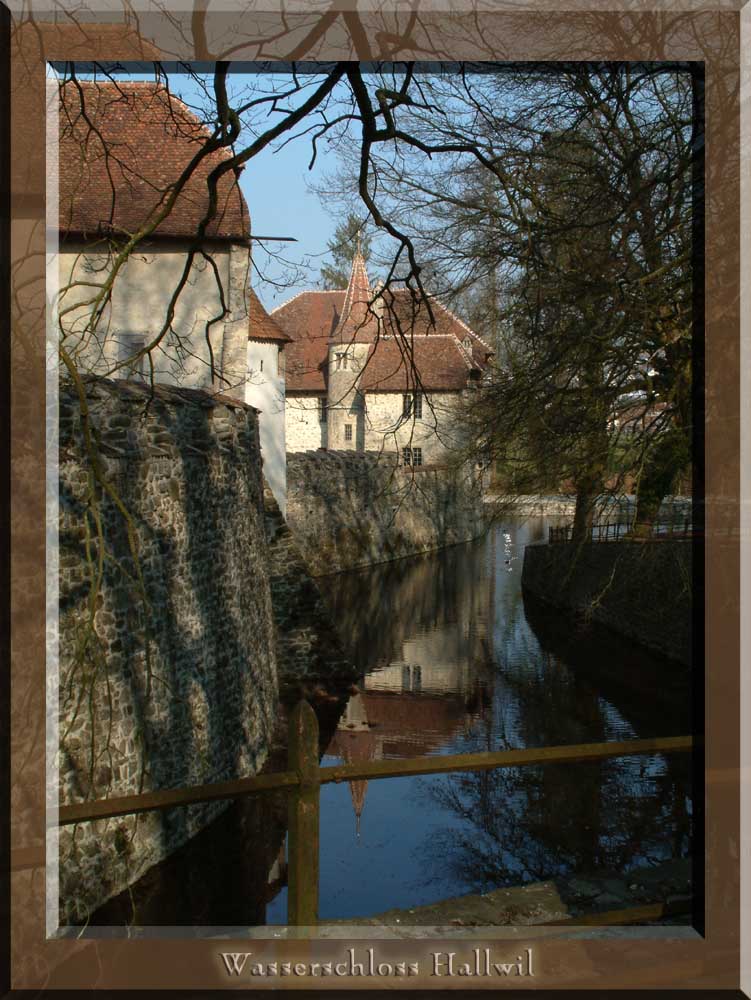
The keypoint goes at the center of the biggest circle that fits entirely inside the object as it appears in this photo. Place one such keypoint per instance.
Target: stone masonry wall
(179, 690)
(640, 589)
(348, 509)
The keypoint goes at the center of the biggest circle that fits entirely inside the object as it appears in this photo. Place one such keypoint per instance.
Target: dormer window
(467, 344)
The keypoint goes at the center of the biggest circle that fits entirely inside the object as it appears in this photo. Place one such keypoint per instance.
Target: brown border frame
(711, 36)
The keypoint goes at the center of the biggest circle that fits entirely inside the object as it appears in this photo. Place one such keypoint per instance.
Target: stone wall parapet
(642, 590)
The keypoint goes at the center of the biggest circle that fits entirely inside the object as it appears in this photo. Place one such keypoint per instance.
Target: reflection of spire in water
(355, 742)
(357, 790)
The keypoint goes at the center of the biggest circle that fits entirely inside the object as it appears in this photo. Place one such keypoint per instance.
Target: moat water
(453, 659)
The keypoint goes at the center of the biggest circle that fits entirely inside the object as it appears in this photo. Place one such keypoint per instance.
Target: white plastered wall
(304, 429)
(139, 305)
(264, 389)
(436, 432)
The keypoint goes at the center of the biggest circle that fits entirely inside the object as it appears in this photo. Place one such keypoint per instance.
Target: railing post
(303, 818)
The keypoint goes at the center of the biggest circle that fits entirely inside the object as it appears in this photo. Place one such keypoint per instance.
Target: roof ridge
(462, 323)
(308, 291)
(462, 351)
(119, 83)
(421, 336)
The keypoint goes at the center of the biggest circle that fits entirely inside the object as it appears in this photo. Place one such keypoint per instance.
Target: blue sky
(275, 187)
(275, 183)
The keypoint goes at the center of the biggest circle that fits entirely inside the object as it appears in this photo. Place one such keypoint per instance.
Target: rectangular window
(129, 346)
(412, 405)
(322, 409)
(348, 432)
(417, 456)
(406, 456)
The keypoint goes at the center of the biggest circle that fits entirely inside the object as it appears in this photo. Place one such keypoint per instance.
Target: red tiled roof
(114, 174)
(438, 358)
(311, 318)
(261, 326)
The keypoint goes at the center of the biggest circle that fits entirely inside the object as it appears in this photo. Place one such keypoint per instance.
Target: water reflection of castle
(419, 638)
(380, 723)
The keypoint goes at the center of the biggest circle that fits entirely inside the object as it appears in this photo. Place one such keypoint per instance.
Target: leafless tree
(572, 233)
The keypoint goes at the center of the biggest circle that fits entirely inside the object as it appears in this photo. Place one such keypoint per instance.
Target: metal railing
(613, 531)
(303, 779)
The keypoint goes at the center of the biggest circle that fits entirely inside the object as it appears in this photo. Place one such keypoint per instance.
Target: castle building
(121, 145)
(264, 389)
(371, 372)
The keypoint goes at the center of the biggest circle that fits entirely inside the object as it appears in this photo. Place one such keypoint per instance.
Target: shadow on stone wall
(349, 509)
(309, 651)
(642, 590)
(181, 691)
(229, 873)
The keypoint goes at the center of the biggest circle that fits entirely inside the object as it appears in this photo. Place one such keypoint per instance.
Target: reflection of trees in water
(651, 692)
(535, 823)
(551, 684)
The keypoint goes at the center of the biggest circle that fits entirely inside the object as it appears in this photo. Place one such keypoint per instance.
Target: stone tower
(348, 351)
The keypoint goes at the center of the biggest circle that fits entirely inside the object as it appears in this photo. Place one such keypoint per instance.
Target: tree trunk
(670, 455)
(586, 494)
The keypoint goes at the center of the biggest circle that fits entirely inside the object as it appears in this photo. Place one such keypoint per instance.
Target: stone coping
(563, 898)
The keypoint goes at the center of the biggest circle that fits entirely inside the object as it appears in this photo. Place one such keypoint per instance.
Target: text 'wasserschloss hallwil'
(478, 963)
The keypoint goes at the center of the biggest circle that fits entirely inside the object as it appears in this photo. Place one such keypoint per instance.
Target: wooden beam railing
(304, 777)
(171, 798)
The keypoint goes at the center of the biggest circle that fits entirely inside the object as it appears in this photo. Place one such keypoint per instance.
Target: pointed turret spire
(357, 322)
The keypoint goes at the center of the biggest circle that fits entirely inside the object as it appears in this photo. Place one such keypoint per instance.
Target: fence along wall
(349, 509)
(180, 692)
